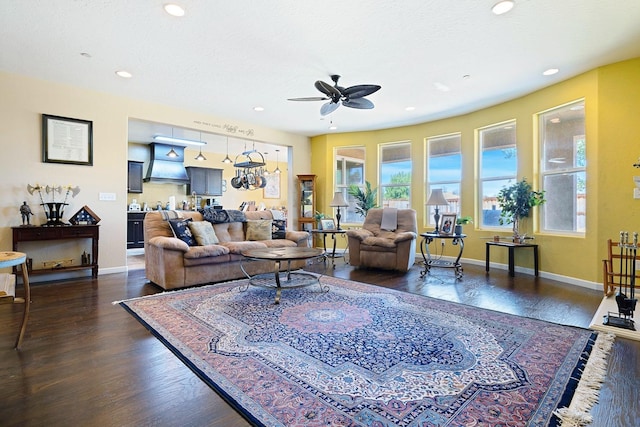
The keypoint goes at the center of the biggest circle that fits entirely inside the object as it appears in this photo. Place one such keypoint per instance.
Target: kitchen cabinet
(135, 230)
(307, 200)
(204, 181)
(134, 177)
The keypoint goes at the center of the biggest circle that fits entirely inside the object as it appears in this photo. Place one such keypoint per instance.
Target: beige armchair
(371, 246)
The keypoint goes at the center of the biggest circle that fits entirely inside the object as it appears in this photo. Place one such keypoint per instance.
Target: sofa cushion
(220, 216)
(181, 230)
(203, 233)
(206, 251)
(259, 230)
(278, 229)
(239, 247)
(279, 243)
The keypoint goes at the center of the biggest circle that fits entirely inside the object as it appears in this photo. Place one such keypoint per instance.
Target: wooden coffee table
(294, 279)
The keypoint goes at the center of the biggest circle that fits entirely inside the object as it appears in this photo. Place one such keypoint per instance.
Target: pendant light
(200, 157)
(172, 153)
(227, 160)
(278, 171)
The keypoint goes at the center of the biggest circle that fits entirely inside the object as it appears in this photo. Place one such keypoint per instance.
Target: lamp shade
(338, 200)
(436, 198)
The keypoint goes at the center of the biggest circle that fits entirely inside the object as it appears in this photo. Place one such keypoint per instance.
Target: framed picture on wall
(272, 189)
(448, 224)
(66, 140)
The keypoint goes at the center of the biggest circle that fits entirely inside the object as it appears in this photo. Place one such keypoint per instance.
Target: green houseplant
(365, 199)
(516, 202)
(462, 221)
(318, 216)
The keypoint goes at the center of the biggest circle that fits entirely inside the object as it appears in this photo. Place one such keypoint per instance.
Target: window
(563, 168)
(498, 167)
(395, 175)
(349, 164)
(444, 170)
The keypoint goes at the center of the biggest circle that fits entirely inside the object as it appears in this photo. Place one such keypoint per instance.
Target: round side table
(11, 259)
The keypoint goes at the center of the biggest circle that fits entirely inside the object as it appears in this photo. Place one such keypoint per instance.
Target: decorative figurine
(25, 210)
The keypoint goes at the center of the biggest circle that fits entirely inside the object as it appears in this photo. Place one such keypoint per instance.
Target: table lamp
(338, 202)
(436, 198)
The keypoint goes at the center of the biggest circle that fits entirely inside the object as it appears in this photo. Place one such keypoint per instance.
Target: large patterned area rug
(362, 355)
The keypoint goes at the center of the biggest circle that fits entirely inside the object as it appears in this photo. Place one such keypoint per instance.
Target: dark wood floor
(87, 362)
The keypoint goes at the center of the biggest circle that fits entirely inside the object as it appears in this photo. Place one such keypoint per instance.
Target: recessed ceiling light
(124, 74)
(258, 108)
(550, 72)
(174, 9)
(502, 7)
(555, 120)
(409, 108)
(577, 108)
(441, 87)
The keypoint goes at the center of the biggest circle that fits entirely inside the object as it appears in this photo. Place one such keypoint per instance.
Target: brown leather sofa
(171, 263)
(371, 246)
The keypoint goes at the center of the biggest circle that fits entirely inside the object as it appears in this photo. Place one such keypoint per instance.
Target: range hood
(164, 169)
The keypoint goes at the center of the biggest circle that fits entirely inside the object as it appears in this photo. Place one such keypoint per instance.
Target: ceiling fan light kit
(352, 97)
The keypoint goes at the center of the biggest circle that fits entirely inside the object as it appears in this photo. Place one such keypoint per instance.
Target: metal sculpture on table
(625, 297)
(25, 211)
(54, 209)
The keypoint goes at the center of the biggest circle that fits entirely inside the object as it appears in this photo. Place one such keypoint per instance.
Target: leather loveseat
(172, 263)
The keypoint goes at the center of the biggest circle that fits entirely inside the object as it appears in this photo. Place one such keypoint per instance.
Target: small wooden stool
(10, 259)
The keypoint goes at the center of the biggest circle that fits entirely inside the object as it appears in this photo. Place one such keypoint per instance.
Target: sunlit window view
(498, 168)
(563, 167)
(349, 170)
(444, 170)
(395, 175)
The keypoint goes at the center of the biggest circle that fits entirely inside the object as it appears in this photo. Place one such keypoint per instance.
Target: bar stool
(10, 259)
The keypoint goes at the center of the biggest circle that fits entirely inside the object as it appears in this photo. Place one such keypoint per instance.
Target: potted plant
(318, 216)
(462, 221)
(516, 202)
(365, 200)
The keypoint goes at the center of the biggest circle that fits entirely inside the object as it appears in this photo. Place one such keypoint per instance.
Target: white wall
(22, 103)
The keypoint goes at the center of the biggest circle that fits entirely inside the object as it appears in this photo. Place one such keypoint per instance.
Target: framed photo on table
(327, 224)
(66, 140)
(448, 223)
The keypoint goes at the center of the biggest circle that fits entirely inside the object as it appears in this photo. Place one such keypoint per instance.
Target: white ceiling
(225, 57)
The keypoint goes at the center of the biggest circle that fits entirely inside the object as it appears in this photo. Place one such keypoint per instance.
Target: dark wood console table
(512, 248)
(63, 232)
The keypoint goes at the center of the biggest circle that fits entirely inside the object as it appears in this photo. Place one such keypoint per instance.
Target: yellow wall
(611, 94)
(22, 103)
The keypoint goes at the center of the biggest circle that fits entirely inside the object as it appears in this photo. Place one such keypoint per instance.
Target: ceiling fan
(353, 96)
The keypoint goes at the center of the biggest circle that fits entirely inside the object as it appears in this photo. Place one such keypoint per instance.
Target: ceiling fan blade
(359, 91)
(309, 98)
(328, 108)
(328, 90)
(359, 103)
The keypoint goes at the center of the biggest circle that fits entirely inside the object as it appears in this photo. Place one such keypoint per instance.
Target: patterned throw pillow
(204, 233)
(181, 230)
(259, 229)
(278, 229)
